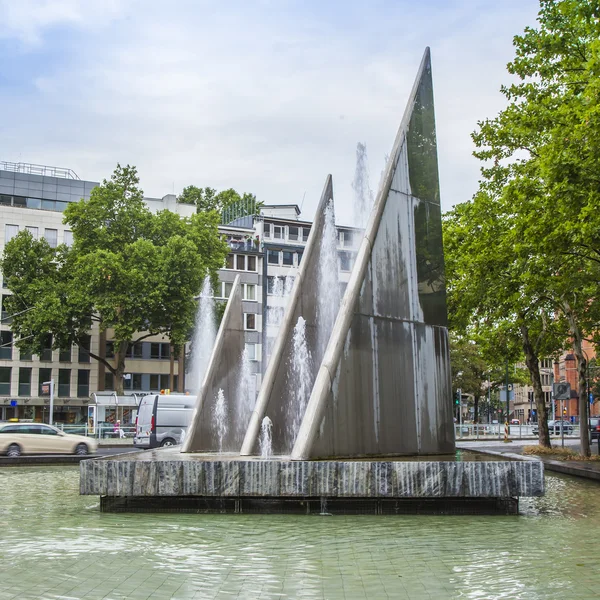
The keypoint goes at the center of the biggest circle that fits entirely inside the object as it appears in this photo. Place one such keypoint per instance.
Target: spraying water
(328, 282)
(281, 289)
(363, 195)
(300, 378)
(266, 438)
(220, 418)
(205, 332)
(245, 396)
(288, 284)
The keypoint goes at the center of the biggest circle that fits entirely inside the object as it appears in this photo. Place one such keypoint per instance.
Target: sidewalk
(513, 450)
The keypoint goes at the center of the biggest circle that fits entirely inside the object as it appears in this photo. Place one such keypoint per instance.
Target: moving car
(38, 438)
(594, 423)
(163, 420)
(555, 427)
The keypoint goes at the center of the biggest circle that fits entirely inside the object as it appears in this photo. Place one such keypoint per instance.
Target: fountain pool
(57, 544)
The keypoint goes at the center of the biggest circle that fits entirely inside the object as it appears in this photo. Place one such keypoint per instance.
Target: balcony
(243, 243)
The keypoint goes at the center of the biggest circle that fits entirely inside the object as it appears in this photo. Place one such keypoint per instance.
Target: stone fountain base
(165, 479)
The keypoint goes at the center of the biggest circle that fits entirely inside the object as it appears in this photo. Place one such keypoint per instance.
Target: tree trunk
(171, 368)
(584, 430)
(119, 371)
(533, 366)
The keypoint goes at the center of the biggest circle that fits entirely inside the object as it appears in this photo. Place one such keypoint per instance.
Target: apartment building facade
(266, 251)
(33, 198)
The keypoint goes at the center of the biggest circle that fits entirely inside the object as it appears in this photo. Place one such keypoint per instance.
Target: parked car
(555, 427)
(594, 423)
(37, 438)
(515, 422)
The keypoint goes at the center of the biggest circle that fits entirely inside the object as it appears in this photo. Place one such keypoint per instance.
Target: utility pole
(51, 385)
(552, 395)
(506, 430)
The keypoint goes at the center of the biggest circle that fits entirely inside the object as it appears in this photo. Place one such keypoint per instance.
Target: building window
(305, 232)
(299, 257)
(158, 350)
(251, 351)
(64, 355)
(5, 318)
(34, 203)
(250, 321)
(34, 231)
(277, 232)
(25, 355)
(288, 258)
(273, 257)
(51, 236)
(293, 232)
(267, 230)
(83, 383)
(345, 238)
(64, 383)
(133, 381)
(68, 238)
(345, 261)
(227, 287)
(136, 350)
(19, 201)
(109, 351)
(159, 382)
(272, 285)
(5, 200)
(45, 375)
(46, 354)
(9, 232)
(249, 291)
(229, 261)
(252, 263)
(84, 349)
(6, 340)
(109, 381)
(5, 373)
(25, 381)
(240, 262)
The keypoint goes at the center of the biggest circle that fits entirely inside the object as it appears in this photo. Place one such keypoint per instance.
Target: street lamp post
(51, 384)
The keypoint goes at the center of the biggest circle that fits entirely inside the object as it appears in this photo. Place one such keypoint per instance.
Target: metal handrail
(33, 169)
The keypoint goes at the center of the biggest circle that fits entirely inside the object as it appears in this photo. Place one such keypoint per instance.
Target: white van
(163, 420)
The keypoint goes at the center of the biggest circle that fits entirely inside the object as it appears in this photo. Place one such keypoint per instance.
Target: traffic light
(457, 399)
(564, 412)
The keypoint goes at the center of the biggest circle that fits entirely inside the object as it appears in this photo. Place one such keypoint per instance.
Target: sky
(263, 96)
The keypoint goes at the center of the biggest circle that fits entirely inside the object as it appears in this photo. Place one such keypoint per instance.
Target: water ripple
(56, 544)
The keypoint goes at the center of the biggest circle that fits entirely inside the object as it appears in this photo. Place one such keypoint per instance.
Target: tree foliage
(227, 202)
(129, 270)
(525, 252)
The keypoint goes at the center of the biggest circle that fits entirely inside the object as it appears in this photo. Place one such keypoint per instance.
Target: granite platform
(165, 478)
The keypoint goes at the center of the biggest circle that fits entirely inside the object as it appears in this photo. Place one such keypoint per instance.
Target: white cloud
(264, 97)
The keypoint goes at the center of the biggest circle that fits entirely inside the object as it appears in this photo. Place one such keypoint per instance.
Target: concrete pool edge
(210, 478)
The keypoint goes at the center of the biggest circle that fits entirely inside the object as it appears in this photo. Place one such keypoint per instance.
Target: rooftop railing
(32, 169)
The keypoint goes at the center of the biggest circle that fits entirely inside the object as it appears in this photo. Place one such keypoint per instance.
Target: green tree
(228, 203)
(532, 234)
(204, 199)
(128, 270)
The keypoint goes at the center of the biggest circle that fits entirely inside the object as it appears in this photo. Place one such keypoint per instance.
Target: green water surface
(55, 543)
